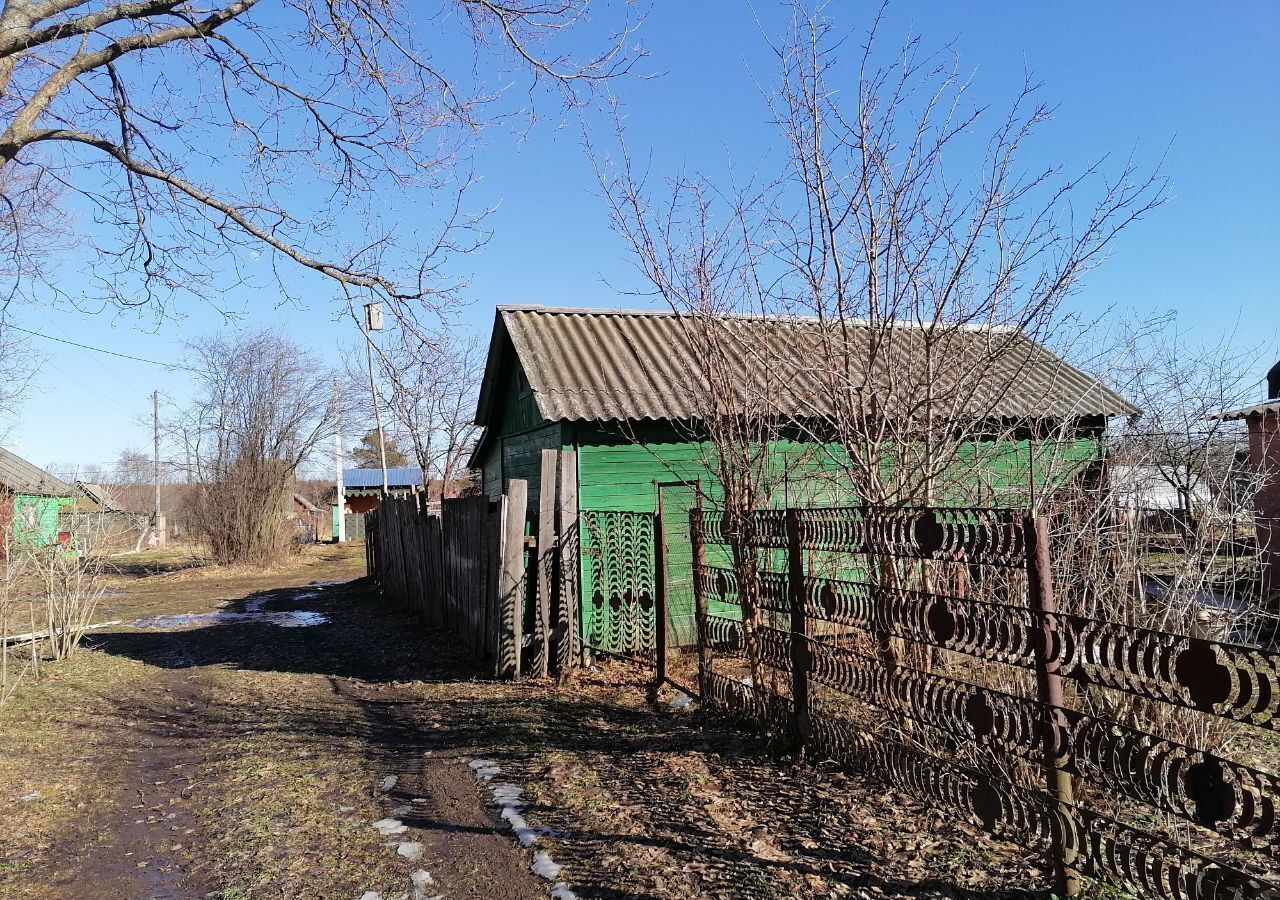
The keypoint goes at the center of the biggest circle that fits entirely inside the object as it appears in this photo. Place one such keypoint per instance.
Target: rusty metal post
(700, 607)
(800, 654)
(660, 600)
(1049, 690)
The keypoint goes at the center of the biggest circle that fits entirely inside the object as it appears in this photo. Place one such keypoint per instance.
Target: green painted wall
(35, 519)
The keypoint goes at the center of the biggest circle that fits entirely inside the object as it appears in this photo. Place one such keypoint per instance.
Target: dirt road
(247, 748)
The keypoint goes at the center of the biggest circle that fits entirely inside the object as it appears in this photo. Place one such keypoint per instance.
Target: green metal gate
(619, 589)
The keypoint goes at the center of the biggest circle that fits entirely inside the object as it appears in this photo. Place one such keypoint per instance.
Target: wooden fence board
(545, 560)
(567, 602)
(466, 569)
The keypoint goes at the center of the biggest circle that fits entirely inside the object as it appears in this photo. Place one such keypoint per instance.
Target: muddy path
(303, 673)
(246, 751)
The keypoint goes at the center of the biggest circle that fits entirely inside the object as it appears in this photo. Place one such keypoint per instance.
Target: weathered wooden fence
(498, 574)
(923, 648)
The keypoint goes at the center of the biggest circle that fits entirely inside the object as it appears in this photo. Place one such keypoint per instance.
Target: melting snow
(388, 783)
(296, 618)
(545, 867)
(485, 768)
(389, 827)
(510, 797)
(410, 850)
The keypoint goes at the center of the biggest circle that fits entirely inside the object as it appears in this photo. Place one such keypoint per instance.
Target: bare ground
(239, 760)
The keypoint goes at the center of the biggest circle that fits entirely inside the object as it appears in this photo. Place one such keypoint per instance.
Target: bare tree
(19, 370)
(428, 385)
(262, 406)
(926, 296)
(186, 129)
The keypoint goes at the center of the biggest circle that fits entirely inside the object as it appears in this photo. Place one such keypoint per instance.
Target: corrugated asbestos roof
(609, 365)
(21, 477)
(402, 477)
(1258, 409)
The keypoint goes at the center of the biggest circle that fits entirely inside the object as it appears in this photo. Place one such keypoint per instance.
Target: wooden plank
(569, 603)
(545, 558)
(512, 588)
(660, 586)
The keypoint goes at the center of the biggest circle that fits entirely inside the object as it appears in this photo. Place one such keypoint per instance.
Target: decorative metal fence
(923, 648)
(620, 593)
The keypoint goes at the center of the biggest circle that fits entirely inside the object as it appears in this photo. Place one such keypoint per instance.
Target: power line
(154, 362)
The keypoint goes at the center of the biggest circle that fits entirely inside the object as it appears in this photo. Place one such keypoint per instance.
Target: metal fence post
(660, 600)
(800, 654)
(700, 607)
(1049, 689)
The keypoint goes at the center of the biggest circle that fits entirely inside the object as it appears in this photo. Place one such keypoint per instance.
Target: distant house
(91, 497)
(362, 491)
(1263, 421)
(312, 522)
(32, 503)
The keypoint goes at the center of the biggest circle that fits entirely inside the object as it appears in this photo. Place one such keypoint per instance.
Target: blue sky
(1201, 81)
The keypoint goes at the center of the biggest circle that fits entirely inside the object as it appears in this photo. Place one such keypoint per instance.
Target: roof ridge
(747, 316)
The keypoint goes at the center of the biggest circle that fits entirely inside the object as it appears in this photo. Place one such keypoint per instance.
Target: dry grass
(54, 737)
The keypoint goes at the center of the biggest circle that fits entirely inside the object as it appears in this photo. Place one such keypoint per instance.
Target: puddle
(295, 618)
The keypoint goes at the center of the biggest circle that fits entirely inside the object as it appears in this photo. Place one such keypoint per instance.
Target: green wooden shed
(623, 389)
(32, 501)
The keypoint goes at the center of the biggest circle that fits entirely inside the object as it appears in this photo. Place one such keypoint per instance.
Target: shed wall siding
(522, 457)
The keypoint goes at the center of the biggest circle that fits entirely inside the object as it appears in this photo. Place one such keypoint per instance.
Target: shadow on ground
(698, 809)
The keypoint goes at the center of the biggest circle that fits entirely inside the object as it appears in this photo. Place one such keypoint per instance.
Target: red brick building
(1263, 420)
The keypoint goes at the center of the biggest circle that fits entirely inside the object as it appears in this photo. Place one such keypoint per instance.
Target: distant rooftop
(21, 477)
(397, 478)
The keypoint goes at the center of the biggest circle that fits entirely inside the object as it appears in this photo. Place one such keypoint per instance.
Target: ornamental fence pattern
(923, 647)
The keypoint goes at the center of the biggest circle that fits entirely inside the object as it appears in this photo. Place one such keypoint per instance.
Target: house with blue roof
(362, 491)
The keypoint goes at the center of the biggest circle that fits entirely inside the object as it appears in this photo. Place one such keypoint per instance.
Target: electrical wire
(154, 362)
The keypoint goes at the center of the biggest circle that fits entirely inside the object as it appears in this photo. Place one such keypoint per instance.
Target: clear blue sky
(1201, 79)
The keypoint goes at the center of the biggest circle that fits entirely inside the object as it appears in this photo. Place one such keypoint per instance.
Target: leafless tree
(19, 370)
(925, 293)
(428, 386)
(187, 129)
(262, 406)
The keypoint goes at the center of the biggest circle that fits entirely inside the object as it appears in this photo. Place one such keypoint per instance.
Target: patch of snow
(30, 798)
(410, 850)
(485, 768)
(524, 834)
(510, 798)
(370, 895)
(296, 618)
(545, 867)
(680, 701)
(388, 783)
(389, 827)
(402, 810)
(507, 794)
(421, 879)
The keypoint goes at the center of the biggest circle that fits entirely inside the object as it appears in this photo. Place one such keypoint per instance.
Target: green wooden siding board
(36, 519)
(620, 473)
(522, 457)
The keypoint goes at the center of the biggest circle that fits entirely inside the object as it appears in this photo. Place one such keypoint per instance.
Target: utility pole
(157, 521)
(340, 535)
(372, 323)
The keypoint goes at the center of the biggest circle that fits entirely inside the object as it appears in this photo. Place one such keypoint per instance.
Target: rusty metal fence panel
(922, 648)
